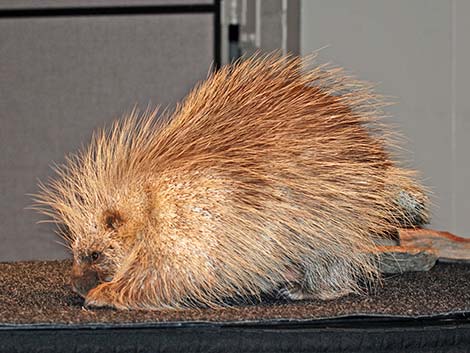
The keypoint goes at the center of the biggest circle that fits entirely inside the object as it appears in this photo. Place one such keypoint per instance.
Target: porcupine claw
(100, 297)
(296, 292)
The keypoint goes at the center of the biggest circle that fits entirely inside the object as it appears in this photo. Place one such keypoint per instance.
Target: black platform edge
(352, 321)
(448, 333)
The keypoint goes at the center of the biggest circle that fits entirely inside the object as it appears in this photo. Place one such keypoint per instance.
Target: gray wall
(419, 53)
(61, 78)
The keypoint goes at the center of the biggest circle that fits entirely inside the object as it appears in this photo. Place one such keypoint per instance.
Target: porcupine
(265, 178)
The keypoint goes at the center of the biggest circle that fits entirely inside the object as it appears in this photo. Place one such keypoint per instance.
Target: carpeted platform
(411, 313)
(37, 293)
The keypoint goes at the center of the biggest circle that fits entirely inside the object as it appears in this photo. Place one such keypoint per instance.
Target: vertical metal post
(217, 35)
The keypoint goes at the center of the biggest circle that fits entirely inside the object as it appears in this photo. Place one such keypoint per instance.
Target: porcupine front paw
(102, 296)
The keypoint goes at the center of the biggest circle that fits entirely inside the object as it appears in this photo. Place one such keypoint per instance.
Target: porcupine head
(262, 177)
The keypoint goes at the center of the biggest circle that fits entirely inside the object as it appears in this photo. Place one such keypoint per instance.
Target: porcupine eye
(112, 220)
(94, 256)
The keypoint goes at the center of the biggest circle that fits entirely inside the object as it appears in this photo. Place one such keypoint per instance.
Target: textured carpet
(38, 293)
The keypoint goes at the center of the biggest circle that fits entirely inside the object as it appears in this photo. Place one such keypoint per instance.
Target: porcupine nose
(83, 279)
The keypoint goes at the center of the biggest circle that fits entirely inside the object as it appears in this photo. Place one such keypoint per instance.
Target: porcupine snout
(83, 279)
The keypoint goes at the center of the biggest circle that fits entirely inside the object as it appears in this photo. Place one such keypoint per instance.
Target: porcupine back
(262, 172)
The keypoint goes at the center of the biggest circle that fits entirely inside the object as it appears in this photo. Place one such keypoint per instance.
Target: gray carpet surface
(39, 293)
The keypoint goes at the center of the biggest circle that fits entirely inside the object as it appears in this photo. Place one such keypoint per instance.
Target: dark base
(345, 335)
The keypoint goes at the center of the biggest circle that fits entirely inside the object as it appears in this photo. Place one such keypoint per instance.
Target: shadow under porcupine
(264, 177)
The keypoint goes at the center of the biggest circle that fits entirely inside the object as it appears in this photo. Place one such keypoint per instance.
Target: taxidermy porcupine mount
(265, 178)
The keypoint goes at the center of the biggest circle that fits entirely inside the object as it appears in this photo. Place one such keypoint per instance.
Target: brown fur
(264, 177)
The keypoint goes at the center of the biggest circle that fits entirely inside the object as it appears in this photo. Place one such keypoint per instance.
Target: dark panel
(62, 77)
(28, 4)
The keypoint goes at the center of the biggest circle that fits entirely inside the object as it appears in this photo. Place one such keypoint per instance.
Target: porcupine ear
(112, 219)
